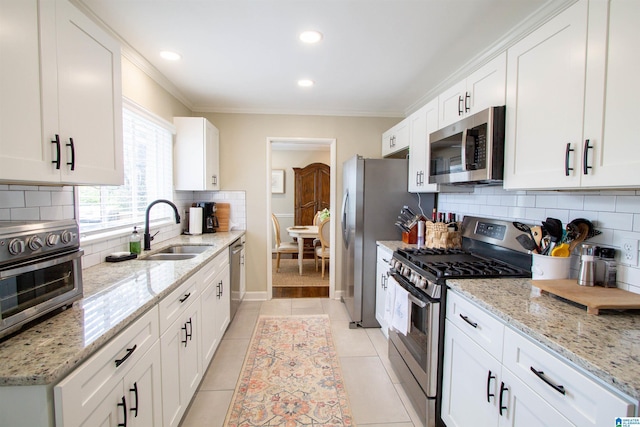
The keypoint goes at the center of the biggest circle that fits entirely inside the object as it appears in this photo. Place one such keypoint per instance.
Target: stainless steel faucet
(147, 235)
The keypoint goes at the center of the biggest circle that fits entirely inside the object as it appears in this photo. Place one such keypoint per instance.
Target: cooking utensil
(536, 231)
(527, 242)
(409, 211)
(583, 232)
(525, 228)
(561, 250)
(554, 229)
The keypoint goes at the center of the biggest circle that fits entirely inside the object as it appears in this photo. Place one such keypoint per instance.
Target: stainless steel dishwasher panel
(235, 259)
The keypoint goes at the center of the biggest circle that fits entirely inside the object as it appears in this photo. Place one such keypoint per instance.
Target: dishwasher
(236, 259)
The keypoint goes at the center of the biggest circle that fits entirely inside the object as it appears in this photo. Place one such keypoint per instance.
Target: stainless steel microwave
(470, 151)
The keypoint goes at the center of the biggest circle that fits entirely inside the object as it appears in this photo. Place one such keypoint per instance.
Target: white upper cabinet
(396, 138)
(482, 89)
(571, 101)
(421, 124)
(196, 155)
(61, 108)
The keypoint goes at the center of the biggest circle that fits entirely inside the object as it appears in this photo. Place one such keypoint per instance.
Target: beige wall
(141, 89)
(243, 165)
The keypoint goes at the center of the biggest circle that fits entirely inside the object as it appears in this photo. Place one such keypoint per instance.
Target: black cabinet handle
(72, 163)
(560, 389)
(467, 102)
(126, 356)
(124, 412)
(460, 101)
(187, 335)
(585, 157)
(135, 392)
(466, 319)
(489, 394)
(57, 159)
(215, 179)
(190, 334)
(184, 298)
(502, 390)
(566, 159)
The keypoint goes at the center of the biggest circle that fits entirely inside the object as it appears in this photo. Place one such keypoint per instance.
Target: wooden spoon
(583, 231)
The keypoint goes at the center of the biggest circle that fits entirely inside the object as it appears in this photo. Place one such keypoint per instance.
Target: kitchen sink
(177, 253)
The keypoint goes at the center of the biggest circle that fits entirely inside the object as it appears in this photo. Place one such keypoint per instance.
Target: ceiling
(377, 57)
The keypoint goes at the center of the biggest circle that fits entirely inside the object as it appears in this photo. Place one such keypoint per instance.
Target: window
(148, 175)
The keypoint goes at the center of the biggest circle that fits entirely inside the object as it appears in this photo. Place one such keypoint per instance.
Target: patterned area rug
(291, 377)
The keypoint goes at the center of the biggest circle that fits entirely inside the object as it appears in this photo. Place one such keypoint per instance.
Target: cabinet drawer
(172, 306)
(83, 390)
(583, 401)
(213, 268)
(478, 324)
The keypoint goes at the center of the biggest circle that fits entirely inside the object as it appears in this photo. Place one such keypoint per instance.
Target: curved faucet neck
(147, 233)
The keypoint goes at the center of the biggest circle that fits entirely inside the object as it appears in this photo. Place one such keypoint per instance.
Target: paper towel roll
(195, 220)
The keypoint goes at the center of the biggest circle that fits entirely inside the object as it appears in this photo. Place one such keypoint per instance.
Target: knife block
(411, 237)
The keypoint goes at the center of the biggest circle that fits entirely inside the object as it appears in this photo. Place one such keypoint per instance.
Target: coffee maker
(209, 219)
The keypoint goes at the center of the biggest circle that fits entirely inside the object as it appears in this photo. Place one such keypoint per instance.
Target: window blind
(148, 175)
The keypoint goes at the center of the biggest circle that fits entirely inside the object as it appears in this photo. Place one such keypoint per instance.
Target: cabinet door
(223, 296)
(545, 101)
(521, 407)
(487, 86)
(396, 138)
(209, 331)
(24, 154)
(422, 123)
(614, 158)
(181, 369)
(470, 382)
(84, 104)
(382, 267)
(143, 391)
(451, 104)
(212, 157)
(243, 272)
(110, 412)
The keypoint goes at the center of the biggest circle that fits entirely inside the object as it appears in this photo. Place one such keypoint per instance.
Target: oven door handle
(49, 261)
(417, 302)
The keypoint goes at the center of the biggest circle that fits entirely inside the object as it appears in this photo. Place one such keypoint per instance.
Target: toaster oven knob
(35, 243)
(52, 239)
(16, 247)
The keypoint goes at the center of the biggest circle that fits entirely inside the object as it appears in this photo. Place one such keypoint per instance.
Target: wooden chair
(281, 247)
(324, 230)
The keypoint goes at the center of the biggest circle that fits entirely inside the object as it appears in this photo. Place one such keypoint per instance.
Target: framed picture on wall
(277, 181)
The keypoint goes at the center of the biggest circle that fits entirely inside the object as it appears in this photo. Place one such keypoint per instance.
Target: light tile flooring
(375, 396)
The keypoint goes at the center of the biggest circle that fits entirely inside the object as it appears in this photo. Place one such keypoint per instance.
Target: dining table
(301, 232)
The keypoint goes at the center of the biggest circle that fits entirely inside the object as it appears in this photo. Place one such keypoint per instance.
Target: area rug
(291, 377)
(289, 274)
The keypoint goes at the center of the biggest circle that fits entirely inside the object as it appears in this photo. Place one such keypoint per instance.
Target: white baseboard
(255, 296)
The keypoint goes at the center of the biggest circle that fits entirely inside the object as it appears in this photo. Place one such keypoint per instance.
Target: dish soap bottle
(134, 242)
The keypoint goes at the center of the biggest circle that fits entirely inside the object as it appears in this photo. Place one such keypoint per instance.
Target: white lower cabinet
(215, 305)
(495, 376)
(382, 280)
(121, 381)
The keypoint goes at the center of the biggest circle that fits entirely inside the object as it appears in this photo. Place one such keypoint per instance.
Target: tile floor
(376, 398)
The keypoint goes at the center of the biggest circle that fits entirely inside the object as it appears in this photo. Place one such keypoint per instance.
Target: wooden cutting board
(596, 298)
(223, 212)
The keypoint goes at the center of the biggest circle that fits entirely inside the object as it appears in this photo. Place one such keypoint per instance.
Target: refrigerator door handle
(345, 234)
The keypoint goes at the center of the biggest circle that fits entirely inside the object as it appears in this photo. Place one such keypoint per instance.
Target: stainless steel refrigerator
(375, 190)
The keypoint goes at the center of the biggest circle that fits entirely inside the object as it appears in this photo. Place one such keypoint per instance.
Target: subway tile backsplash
(615, 213)
(20, 202)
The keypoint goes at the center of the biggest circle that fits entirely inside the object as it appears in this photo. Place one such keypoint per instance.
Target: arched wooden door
(312, 191)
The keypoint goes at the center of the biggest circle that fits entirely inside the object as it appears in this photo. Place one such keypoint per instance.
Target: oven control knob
(52, 239)
(423, 283)
(397, 265)
(66, 236)
(16, 247)
(35, 243)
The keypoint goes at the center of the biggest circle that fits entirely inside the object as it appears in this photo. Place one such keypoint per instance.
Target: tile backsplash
(25, 202)
(615, 213)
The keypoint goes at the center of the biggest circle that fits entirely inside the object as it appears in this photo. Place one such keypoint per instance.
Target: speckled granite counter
(115, 294)
(608, 345)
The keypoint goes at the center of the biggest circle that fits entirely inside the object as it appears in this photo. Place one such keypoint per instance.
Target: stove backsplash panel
(615, 213)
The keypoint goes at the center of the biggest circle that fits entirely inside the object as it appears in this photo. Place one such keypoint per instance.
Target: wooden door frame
(331, 142)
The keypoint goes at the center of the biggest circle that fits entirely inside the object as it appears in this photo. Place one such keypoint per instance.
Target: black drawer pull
(489, 394)
(566, 159)
(126, 356)
(135, 392)
(460, 101)
(57, 160)
(184, 298)
(467, 106)
(466, 319)
(560, 389)
(502, 390)
(72, 163)
(124, 412)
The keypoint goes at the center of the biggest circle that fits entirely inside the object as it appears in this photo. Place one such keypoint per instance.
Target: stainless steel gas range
(489, 249)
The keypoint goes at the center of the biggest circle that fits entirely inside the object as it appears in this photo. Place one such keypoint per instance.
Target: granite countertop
(607, 345)
(115, 294)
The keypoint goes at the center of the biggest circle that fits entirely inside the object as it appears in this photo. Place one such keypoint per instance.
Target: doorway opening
(297, 276)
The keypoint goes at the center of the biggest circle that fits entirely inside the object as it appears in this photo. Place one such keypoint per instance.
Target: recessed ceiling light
(170, 56)
(305, 83)
(310, 36)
